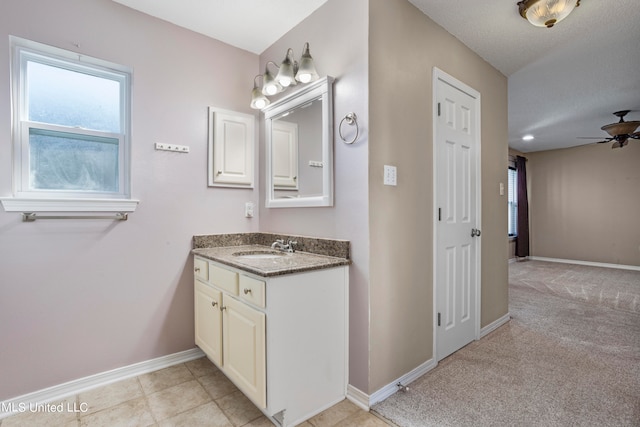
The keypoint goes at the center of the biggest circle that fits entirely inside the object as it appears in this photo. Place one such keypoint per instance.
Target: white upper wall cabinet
(231, 149)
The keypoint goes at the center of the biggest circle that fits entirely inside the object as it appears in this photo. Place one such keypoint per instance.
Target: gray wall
(82, 297)
(404, 47)
(584, 203)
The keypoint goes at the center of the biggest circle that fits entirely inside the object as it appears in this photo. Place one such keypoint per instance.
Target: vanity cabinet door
(208, 321)
(245, 349)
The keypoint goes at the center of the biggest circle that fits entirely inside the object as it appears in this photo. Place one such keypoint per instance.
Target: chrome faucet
(284, 247)
(278, 244)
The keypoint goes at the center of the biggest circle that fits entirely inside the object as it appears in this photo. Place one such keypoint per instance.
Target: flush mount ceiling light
(289, 74)
(527, 138)
(546, 13)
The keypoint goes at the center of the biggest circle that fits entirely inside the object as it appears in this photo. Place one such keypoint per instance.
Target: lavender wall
(82, 297)
(338, 36)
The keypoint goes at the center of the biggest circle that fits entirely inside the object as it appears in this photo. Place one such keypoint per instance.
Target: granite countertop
(285, 263)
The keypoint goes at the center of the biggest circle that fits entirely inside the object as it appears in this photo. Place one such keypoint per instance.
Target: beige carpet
(570, 356)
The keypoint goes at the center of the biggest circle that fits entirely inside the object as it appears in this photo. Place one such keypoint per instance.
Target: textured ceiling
(252, 25)
(564, 82)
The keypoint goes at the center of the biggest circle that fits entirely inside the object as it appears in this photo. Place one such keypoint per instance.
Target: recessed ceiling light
(527, 137)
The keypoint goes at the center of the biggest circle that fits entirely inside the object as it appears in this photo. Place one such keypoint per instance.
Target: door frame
(438, 74)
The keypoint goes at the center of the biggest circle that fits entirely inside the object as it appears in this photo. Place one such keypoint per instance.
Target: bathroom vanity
(275, 323)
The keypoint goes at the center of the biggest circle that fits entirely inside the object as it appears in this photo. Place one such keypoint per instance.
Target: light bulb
(271, 89)
(304, 78)
(285, 81)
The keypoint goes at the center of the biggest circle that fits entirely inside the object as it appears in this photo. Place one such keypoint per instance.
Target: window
(71, 126)
(513, 202)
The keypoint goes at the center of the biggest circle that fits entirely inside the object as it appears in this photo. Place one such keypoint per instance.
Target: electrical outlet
(248, 209)
(390, 175)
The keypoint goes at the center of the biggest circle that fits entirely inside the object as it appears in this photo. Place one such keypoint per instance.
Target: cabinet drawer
(201, 269)
(224, 279)
(252, 290)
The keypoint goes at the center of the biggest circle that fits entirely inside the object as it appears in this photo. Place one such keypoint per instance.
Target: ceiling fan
(619, 132)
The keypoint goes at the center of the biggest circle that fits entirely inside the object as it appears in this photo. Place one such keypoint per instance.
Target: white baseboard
(364, 401)
(61, 391)
(358, 397)
(592, 264)
(405, 380)
(495, 325)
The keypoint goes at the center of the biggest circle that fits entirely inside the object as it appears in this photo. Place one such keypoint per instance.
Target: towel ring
(351, 120)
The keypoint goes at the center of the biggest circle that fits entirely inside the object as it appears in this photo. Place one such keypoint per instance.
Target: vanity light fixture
(546, 13)
(270, 86)
(258, 100)
(289, 74)
(307, 71)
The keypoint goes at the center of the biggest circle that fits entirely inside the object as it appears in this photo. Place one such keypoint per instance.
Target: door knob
(475, 232)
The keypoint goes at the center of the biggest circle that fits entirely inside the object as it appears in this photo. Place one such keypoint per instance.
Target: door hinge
(438, 319)
(439, 214)
(438, 109)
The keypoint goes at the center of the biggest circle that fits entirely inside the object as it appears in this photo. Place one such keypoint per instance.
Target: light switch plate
(390, 175)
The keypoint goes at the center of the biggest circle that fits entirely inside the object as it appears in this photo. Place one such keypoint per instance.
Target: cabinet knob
(213, 303)
(247, 291)
(223, 308)
(197, 269)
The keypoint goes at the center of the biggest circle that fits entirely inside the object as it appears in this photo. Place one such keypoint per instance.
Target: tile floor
(190, 394)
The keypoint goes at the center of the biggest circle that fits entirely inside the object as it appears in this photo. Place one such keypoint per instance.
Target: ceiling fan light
(621, 128)
(546, 13)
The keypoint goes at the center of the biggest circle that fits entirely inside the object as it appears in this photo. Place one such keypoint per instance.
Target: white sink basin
(259, 254)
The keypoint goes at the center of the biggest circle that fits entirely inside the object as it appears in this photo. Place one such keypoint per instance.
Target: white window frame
(26, 199)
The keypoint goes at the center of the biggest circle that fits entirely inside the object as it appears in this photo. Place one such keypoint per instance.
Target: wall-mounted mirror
(299, 147)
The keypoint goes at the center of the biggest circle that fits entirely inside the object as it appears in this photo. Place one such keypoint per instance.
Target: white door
(457, 197)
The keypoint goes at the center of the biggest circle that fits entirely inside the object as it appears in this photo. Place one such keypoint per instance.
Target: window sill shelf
(15, 204)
